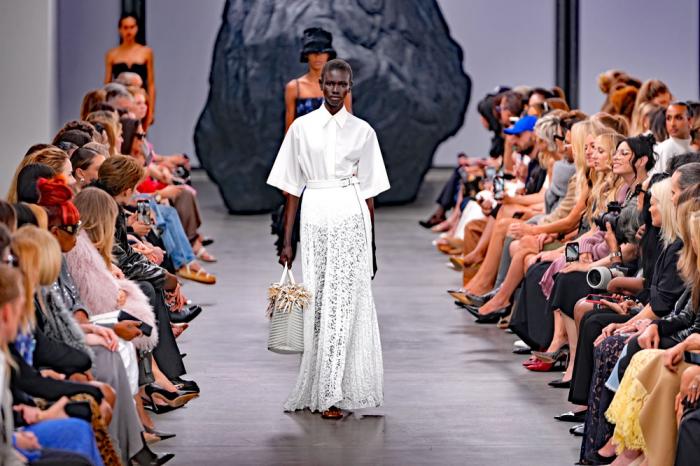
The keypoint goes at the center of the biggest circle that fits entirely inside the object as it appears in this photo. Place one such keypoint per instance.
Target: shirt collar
(340, 117)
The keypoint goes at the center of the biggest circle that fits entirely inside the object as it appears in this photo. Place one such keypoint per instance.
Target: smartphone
(598, 298)
(692, 358)
(144, 327)
(498, 188)
(571, 252)
(143, 212)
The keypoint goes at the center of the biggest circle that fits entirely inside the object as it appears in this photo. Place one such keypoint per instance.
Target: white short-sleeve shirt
(321, 146)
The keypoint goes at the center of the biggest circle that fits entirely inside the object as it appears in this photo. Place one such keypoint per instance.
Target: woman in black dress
(134, 57)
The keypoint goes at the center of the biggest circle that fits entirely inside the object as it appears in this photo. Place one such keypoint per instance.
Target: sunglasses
(140, 135)
(72, 229)
(11, 260)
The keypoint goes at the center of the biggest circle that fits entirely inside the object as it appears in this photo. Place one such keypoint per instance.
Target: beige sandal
(203, 254)
(200, 275)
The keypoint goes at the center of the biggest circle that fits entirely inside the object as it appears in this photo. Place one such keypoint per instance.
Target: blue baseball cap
(526, 123)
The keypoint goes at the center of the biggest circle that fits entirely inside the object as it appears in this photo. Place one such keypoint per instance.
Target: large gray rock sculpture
(409, 85)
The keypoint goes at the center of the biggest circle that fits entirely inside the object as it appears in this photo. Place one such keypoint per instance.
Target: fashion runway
(454, 393)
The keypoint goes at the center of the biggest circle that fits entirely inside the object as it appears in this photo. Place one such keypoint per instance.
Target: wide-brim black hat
(316, 40)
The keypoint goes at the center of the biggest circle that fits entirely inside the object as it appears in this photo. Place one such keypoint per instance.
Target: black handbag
(146, 368)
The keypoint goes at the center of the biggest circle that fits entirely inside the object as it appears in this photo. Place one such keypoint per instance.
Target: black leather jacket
(682, 323)
(134, 264)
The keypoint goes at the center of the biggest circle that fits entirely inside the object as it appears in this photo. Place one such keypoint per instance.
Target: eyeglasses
(559, 137)
(72, 229)
(622, 153)
(140, 135)
(11, 260)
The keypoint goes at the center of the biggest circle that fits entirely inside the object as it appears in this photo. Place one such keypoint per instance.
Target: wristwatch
(615, 254)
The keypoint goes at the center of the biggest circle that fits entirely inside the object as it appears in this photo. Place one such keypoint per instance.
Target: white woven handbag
(286, 302)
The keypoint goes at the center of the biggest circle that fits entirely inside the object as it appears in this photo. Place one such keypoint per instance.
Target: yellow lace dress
(627, 404)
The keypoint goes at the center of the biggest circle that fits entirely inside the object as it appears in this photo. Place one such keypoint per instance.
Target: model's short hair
(336, 64)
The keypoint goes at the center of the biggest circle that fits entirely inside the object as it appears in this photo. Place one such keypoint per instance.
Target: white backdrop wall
(27, 78)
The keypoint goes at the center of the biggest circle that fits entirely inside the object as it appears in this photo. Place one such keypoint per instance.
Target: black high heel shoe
(186, 315)
(552, 356)
(146, 456)
(172, 400)
(493, 317)
(159, 435)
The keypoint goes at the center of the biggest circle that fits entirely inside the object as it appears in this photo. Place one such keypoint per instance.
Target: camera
(181, 175)
(599, 277)
(611, 216)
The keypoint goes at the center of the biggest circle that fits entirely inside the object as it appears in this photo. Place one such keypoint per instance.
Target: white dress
(342, 361)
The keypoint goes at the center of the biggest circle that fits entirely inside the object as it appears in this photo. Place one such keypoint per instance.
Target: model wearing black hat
(303, 94)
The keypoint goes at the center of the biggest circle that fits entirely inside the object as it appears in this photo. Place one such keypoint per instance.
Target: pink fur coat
(99, 289)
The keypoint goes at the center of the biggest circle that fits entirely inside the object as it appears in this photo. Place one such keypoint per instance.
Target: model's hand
(286, 256)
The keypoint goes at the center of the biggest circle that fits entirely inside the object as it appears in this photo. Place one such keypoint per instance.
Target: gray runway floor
(454, 393)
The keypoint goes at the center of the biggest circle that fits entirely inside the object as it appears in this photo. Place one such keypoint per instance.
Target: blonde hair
(616, 123)
(41, 216)
(545, 129)
(98, 212)
(606, 185)
(40, 263)
(661, 191)
(51, 156)
(579, 132)
(689, 257)
(639, 114)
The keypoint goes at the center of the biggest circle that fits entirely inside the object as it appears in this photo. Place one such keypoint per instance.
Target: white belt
(355, 183)
(337, 183)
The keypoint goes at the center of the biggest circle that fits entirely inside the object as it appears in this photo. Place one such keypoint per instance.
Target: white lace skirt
(342, 360)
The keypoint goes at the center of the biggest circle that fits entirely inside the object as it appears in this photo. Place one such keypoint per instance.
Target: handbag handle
(287, 273)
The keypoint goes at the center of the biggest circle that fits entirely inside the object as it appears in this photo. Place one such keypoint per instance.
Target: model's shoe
(332, 413)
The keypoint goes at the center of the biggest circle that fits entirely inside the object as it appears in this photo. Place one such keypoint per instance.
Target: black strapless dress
(139, 68)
